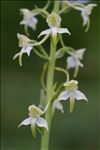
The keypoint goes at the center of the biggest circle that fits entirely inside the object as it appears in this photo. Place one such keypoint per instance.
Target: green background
(20, 86)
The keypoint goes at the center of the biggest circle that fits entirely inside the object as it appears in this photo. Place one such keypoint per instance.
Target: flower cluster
(52, 93)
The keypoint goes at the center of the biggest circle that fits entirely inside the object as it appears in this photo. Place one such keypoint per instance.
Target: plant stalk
(50, 78)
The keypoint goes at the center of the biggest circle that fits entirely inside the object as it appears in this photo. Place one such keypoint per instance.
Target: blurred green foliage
(20, 87)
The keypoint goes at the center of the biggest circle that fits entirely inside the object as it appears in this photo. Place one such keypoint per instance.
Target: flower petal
(41, 122)
(27, 49)
(16, 55)
(26, 122)
(58, 105)
(48, 31)
(63, 30)
(80, 53)
(80, 96)
(90, 7)
(32, 22)
(73, 62)
(85, 17)
(63, 96)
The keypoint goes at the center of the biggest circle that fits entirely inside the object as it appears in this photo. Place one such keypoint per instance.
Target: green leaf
(59, 54)
(42, 99)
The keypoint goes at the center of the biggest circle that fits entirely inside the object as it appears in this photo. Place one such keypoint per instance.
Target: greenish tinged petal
(45, 32)
(63, 96)
(16, 55)
(72, 103)
(58, 105)
(33, 129)
(63, 30)
(80, 53)
(89, 8)
(26, 122)
(79, 95)
(54, 20)
(23, 40)
(40, 122)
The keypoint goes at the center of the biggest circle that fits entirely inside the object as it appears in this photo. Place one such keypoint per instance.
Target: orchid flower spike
(73, 61)
(29, 19)
(34, 119)
(25, 45)
(71, 92)
(54, 21)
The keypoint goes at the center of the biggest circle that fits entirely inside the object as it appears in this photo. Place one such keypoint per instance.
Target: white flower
(25, 45)
(34, 119)
(29, 18)
(86, 12)
(58, 105)
(71, 92)
(54, 21)
(73, 61)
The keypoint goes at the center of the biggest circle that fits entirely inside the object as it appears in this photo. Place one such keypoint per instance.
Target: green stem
(64, 71)
(56, 6)
(40, 55)
(41, 42)
(50, 78)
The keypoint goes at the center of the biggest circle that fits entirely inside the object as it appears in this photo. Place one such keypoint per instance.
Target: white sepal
(41, 122)
(63, 30)
(63, 96)
(79, 95)
(45, 32)
(58, 105)
(26, 122)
